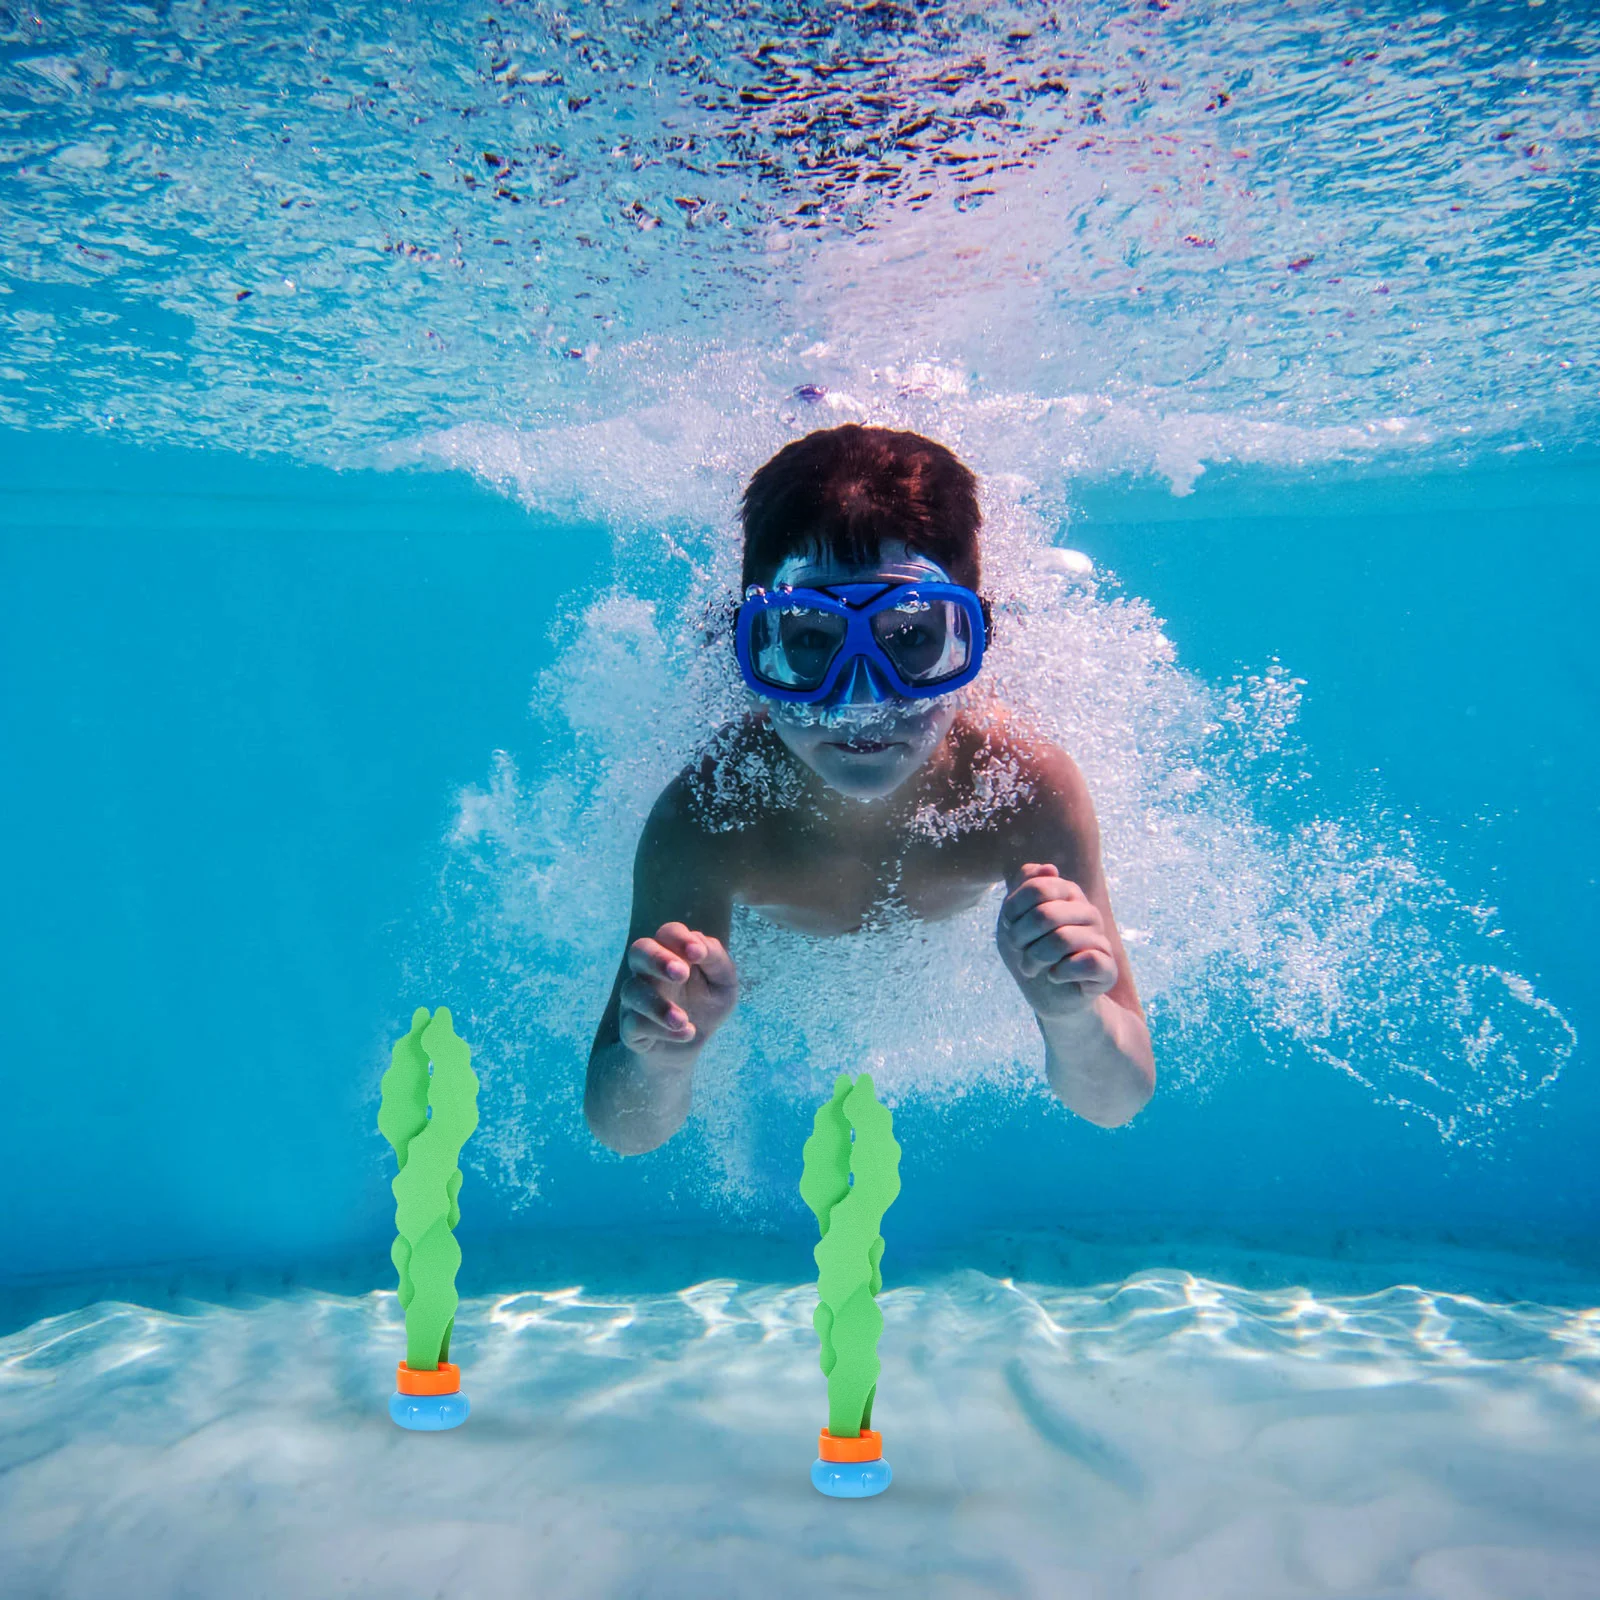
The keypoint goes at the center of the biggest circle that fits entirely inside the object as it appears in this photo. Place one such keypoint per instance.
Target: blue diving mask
(914, 638)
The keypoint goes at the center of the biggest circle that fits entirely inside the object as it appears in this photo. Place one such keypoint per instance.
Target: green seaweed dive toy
(430, 1107)
(851, 1177)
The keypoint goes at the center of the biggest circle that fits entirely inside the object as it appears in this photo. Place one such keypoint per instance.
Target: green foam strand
(850, 1179)
(427, 1116)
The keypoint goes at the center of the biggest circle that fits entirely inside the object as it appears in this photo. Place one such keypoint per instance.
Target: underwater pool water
(376, 388)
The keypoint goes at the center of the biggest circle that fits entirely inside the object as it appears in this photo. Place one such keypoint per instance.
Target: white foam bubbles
(1067, 563)
(1253, 919)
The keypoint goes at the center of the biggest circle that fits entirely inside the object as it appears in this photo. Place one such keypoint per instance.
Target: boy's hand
(681, 985)
(1053, 940)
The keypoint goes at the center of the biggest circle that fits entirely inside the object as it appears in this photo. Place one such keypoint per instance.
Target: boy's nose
(860, 686)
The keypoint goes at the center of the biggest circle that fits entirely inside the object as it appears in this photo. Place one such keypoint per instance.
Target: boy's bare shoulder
(737, 781)
(1045, 774)
(1041, 805)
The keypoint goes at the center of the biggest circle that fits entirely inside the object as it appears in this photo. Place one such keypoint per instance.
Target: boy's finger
(1032, 870)
(1062, 943)
(1088, 966)
(631, 1031)
(1053, 914)
(1068, 941)
(639, 1033)
(651, 959)
(644, 1002)
(643, 1034)
(1027, 895)
(716, 964)
(1034, 892)
(682, 940)
(641, 997)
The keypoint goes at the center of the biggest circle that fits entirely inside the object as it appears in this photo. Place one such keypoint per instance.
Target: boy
(861, 618)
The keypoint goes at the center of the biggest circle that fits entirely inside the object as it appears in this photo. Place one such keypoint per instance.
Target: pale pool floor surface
(1165, 1438)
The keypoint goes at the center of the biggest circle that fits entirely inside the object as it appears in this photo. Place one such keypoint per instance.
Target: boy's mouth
(859, 746)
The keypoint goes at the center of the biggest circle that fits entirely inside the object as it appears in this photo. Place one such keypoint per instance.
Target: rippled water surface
(1161, 1438)
(1164, 232)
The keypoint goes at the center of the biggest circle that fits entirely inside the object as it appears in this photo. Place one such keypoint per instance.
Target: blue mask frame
(858, 604)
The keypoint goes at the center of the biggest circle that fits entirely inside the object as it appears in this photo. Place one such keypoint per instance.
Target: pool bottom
(1161, 1438)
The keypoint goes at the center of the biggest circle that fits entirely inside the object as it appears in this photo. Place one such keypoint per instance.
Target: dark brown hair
(848, 490)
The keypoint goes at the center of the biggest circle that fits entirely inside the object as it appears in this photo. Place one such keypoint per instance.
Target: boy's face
(861, 746)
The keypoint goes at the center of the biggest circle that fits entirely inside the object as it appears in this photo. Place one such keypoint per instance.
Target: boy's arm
(674, 987)
(1057, 935)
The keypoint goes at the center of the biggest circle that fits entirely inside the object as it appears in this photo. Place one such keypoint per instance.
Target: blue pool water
(376, 385)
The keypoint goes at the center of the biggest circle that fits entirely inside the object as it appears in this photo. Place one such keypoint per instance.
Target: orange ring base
(447, 1380)
(869, 1447)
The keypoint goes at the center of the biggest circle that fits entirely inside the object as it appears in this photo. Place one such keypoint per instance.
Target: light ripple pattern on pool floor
(1163, 1438)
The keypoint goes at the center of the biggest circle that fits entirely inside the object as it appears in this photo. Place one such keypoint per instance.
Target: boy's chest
(822, 887)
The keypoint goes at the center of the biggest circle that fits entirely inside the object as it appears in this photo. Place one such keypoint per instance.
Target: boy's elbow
(1114, 1102)
(625, 1141)
(1136, 1084)
(1118, 1116)
(1144, 1083)
(619, 1134)
(626, 1130)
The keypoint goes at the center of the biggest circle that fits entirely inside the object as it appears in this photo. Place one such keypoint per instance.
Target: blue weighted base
(850, 1480)
(429, 1413)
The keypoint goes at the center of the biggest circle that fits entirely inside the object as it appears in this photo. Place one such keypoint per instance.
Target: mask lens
(927, 640)
(792, 647)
